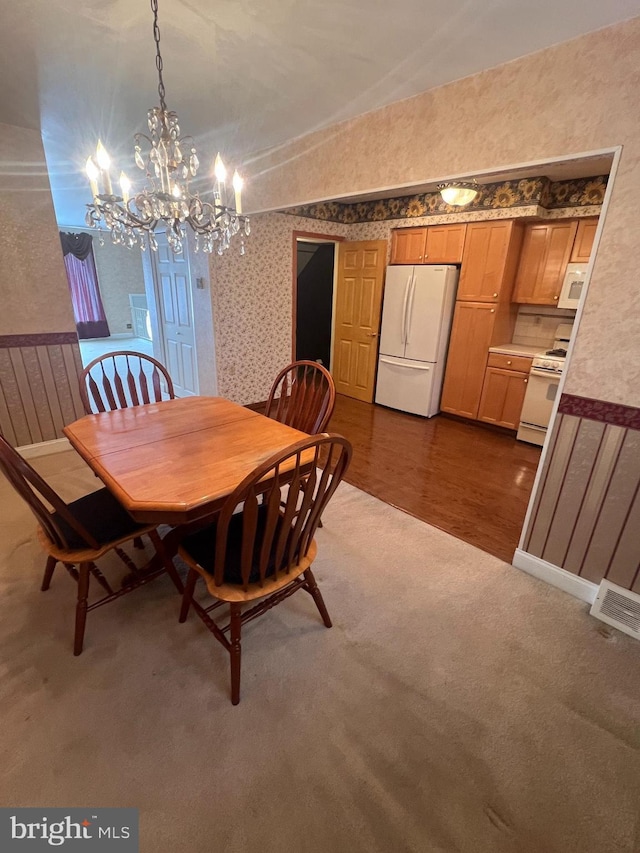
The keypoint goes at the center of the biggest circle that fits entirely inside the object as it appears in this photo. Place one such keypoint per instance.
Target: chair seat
(200, 548)
(102, 515)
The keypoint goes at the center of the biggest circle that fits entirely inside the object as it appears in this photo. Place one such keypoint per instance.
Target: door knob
(372, 334)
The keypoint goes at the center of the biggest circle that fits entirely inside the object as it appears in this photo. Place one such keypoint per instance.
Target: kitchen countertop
(528, 350)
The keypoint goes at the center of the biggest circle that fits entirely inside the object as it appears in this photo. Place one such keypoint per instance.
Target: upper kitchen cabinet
(490, 260)
(437, 244)
(445, 244)
(546, 250)
(583, 243)
(408, 245)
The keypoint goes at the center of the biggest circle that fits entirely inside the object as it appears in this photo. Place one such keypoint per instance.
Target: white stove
(542, 388)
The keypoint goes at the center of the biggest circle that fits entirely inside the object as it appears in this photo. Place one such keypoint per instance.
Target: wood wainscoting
(586, 515)
(39, 386)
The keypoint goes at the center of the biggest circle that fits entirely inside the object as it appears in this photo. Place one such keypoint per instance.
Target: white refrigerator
(417, 312)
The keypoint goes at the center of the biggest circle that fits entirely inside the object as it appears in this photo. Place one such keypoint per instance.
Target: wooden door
(545, 254)
(358, 308)
(173, 282)
(502, 397)
(471, 334)
(490, 256)
(444, 244)
(408, 245)
(583, 243)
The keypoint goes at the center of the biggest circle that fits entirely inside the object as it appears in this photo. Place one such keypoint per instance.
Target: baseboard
(566, 581)
(44, 448)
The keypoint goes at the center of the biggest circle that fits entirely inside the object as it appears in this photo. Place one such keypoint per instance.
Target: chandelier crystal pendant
(169, 161)
(458, 193)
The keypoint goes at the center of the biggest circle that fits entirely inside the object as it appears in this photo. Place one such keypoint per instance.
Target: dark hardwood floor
(472, 481)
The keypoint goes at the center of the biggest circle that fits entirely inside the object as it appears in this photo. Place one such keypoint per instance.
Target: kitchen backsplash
(536, 325)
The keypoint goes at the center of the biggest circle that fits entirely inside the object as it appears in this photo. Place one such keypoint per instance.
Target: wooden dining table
(176, 461)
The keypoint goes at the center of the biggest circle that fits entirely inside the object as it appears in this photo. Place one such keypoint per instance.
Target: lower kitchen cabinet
(476, 327)
(502, 397)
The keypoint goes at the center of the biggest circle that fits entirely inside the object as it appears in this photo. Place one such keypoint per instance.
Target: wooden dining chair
(122, 379)
(303, 396)
(79, 533)
(260, 548)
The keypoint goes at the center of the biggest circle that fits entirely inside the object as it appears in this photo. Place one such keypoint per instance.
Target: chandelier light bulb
(104, 161)
(237, 188)
(176, 192)
(219, 169)
(93, 173)
(125, 186)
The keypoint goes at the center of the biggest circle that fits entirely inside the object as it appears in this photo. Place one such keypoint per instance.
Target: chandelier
(459, 193)
(167, 202)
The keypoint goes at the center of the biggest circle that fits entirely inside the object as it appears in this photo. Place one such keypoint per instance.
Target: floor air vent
(618, 607)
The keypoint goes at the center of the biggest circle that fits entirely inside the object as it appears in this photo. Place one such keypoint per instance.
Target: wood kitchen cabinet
(490, 260)
(583, 243)
(546, 250)
(476, 327)
(436, 244)
(408, 245)
(505, 384)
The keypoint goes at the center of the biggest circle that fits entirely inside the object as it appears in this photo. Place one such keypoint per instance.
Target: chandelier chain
(159, 65)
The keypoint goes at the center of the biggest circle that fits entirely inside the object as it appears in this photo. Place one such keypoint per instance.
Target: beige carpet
(456, 705)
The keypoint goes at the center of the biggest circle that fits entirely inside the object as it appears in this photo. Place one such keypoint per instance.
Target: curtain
(91, 321)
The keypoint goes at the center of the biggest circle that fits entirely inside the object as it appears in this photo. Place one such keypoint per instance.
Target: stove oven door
(542, 389)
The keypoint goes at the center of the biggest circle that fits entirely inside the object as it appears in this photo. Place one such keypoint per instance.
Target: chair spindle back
(281, 505)
(122, 379)
(35, 491)
(303, 396)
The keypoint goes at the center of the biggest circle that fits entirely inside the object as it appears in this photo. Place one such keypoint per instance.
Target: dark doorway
(314, 301)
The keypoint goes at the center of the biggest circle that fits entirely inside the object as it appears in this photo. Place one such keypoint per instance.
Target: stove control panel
(551, 365)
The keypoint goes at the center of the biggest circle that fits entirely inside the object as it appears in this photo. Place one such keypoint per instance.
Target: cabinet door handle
(493, 310)
(495, 294)
(555, 298)
(509, 362)
(525, 381)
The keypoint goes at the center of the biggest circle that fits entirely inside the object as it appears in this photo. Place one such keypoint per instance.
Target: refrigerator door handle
(404, 307)
(410, 306)
(412, 365)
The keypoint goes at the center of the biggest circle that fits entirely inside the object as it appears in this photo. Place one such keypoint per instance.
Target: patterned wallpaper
(252, 305)
(34, 291)
(507, 195)
(587, 508)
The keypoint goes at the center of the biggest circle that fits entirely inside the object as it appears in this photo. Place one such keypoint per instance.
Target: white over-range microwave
(572, 286)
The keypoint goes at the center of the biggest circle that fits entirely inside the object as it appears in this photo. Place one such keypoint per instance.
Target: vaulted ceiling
(245, 75)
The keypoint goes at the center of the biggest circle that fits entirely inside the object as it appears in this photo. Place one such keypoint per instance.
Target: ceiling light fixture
(167, 203)
(459, 193)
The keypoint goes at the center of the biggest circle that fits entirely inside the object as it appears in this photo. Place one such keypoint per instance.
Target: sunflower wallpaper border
(506, 195)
